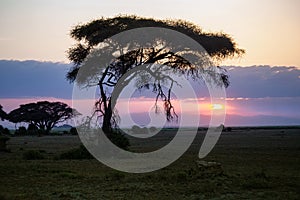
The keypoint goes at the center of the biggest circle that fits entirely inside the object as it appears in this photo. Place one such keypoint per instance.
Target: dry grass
(256, 164)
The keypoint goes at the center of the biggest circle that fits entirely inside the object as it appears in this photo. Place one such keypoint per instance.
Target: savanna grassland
(255, 164)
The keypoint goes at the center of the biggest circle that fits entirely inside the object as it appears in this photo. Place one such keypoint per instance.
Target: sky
(257, 95)
(264, 82)
(267, 29)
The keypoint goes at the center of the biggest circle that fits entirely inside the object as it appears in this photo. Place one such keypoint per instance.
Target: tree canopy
(88, 36)
(43, 114)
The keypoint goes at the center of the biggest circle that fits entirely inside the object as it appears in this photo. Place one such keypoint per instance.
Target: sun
(216, 106)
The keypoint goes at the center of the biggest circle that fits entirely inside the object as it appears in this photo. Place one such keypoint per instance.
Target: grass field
(255, 164)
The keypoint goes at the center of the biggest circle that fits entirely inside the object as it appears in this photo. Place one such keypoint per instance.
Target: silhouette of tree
(3, 114)
(218, 45)
(43, 114)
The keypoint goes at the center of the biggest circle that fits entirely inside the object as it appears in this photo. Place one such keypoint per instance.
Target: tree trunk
(108, 112)
(48, 129)
(41, 130)
(106, 125)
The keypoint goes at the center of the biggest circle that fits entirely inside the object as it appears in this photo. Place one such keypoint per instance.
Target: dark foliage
(3, 140)
(43, 115)
(138, 130)
(119, 139)
(73, 131)
(33, 155)
(34, 130)
(76, 154)
(32, 127)
(3, 114)
(4, 131)
(218, 45)
(21, 131)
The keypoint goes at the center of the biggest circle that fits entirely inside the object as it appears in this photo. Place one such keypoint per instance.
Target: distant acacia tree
(43, 114)
(88, 36)
(3, 114)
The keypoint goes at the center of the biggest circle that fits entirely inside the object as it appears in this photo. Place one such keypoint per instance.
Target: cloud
(263, 81)
(260, 120)
(276, 106)
(258, 95)
(20, 79)
(34, 78)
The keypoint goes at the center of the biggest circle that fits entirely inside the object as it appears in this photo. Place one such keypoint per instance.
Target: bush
(41, 132)
(257, 180)
(32, 127)
(181, 177)
(76, 154)
(33, 155)
(144, 130)
(32, 130)
(135, 129)
(21, 131)
(119, 139)
(138, 130)
(73, 131)
(153, 129)
(4, 131)
(115, 176)
(3, 140)
(229, 129)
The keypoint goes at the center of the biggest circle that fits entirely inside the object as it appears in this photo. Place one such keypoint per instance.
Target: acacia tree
(88, 36)
(43, 114)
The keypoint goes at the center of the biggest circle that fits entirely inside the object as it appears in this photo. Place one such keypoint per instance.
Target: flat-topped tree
(88, 36)
(43, 114)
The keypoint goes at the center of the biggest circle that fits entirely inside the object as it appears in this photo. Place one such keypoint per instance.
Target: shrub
(138, 130)
(32, 127)
(181, 176)
(257, 180)
(4, 131)
(21, 131)
(3, 140)
(33, 155)
(73, 131)
(70, 175)
(41, 132)
(144, 130)
(77, 154)
(229, 129)
(119, 139)
(135, 129)
(115, 176)
(152, 129)
(32, 130)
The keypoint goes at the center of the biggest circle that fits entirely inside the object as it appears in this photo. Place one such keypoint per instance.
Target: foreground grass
(256, 164)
